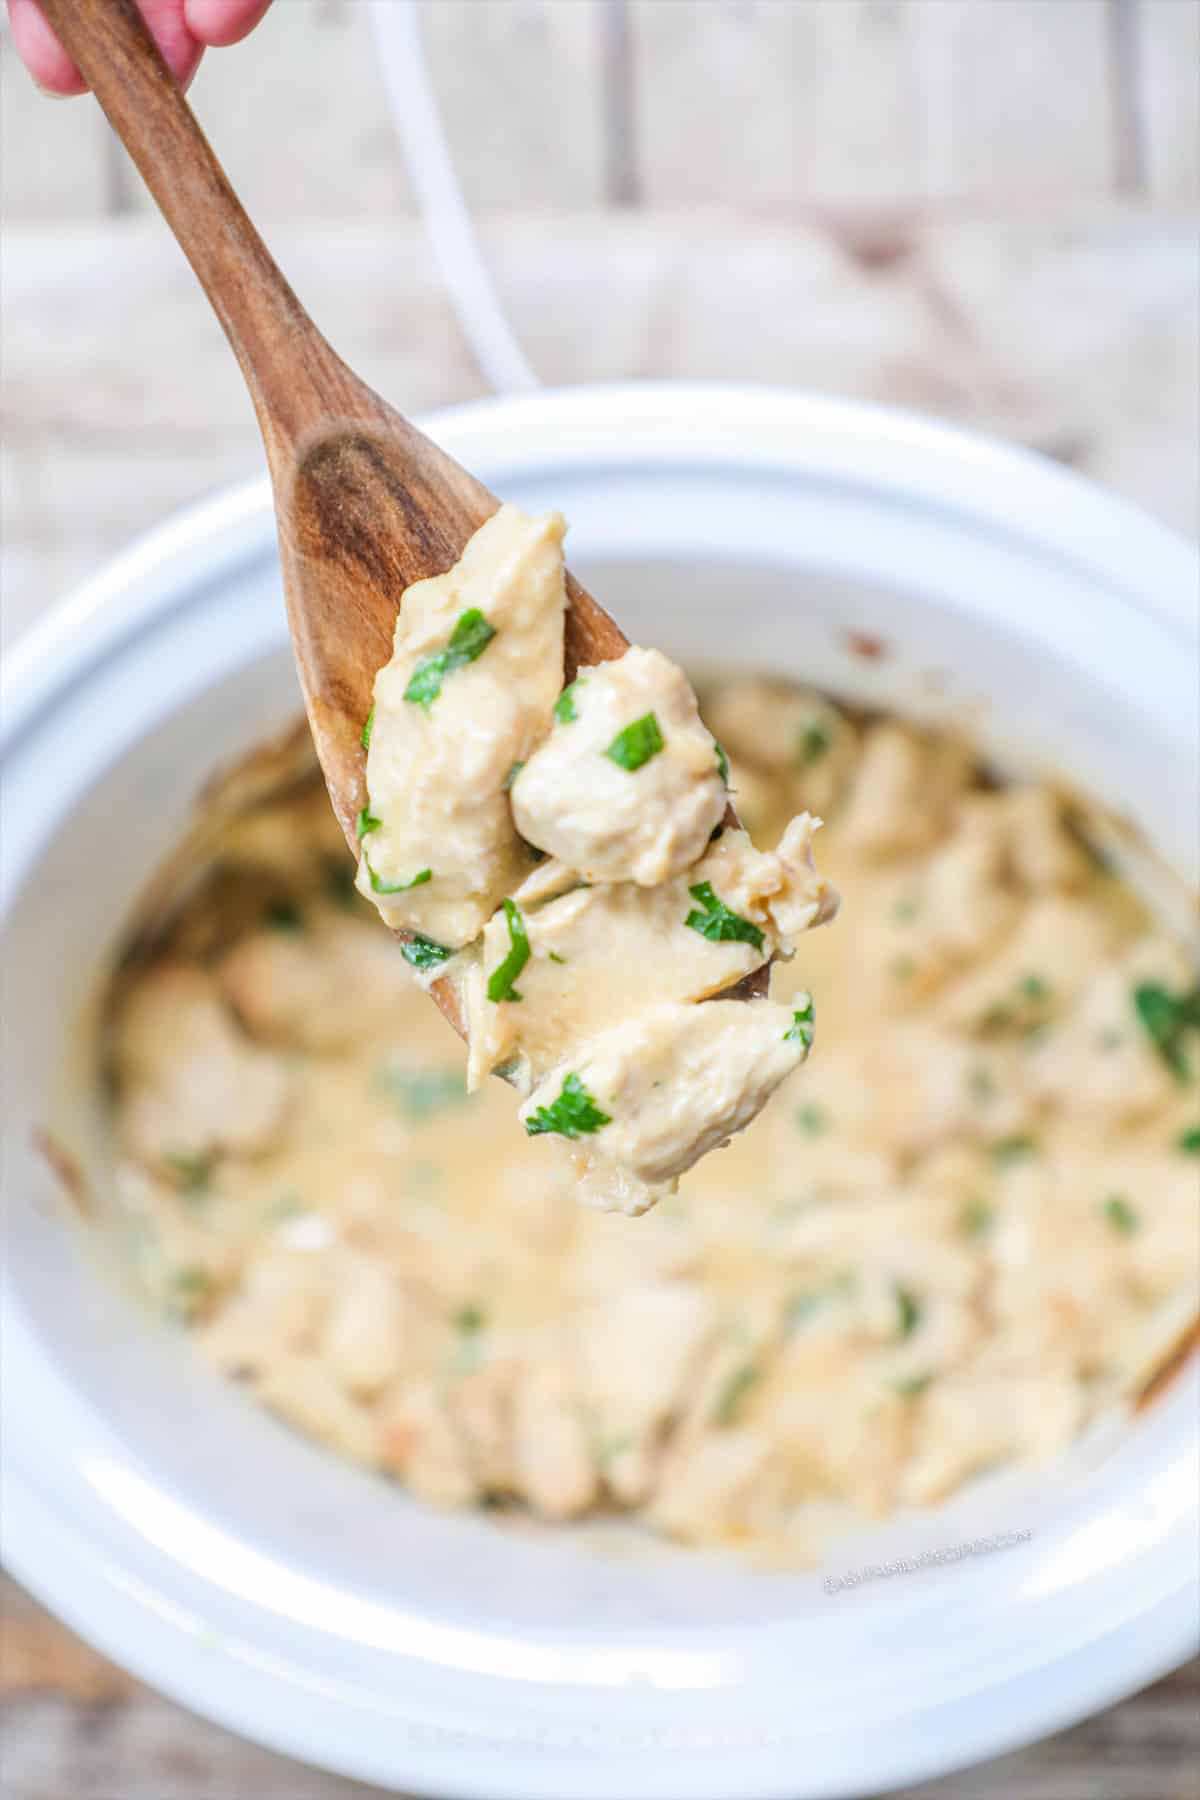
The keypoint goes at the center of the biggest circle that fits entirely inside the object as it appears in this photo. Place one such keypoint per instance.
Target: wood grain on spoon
(365, 503)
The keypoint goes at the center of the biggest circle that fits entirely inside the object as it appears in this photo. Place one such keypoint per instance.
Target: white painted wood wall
(782, 107)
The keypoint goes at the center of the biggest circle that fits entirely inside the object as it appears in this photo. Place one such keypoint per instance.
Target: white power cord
(418, 121)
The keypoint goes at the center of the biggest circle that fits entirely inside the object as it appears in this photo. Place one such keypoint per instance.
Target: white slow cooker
(318, 1609)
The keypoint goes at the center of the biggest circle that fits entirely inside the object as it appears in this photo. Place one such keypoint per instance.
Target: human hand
(183, 30)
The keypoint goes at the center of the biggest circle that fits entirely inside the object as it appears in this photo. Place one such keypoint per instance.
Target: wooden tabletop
(919, 207)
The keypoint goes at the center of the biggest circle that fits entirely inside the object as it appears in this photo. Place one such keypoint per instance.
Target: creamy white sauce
(965, 1230)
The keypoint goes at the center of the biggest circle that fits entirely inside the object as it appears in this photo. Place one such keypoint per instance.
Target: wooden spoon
(364, 503)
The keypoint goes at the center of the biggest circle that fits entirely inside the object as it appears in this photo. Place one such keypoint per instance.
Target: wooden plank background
(984, 208)
(769, 106)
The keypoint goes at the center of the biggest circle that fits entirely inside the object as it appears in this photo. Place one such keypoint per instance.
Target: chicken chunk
(655, 1094)
(319, 988)
(903, 791)
(628, 785)
(468, 692)
(793, 733)
(192, 1084)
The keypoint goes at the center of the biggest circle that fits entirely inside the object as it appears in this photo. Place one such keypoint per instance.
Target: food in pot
(480, 766)
(966, 1230)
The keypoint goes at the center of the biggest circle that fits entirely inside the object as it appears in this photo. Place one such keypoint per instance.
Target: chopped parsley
(607, 1449)
(634, 746)
(1120, 1215)
(717, 923)
(981, 1083)
(506, 784)
(909, 1386)
(809, 1301)
(909, 1310)
(813, 743)
(500, 981)
(906, 909)
(190, 1288)
(283, 915)
(1006, 1151)
(1167, 1019)
(564, 706)
(1189, 1141)
(421, 1094)
(574, 1114)
(193, 1173)
(556, 958)
(722, 762)
(1033, 988)
(977, 1218)
(469, 1324)
(423, 954)
(734, 1390)
(470, 638)
(339, 881)
(365, 822)
(801, 1029)
(903, 968)
(368, 728)
(813, 1120)
(380, 886)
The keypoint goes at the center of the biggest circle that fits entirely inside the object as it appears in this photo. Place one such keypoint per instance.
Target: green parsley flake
(190, 1288)
(717, 923)
(1006, 1151)
(1033, 988)
(380, 886)
(470, 638)
(283, 915)
(906, 909)
(423, 954)
(909, 1309)
(803, 1025)
(736, 1387)
(574, 1114)
(506, 784)
(634, 746)
(1167, 1019)
(977, 1218)
(500, 981)
(909, 1386)
(803, 1305)
(607, 1449)
(814, 743)
(813, 1120)
(903, 968)
(564, 706)
(722, 762)
(368, 728)
(339, 881)
(469, 1324)
(193, 1173)
(1120, 1215)
(1189, 1141)
(366, 822)
(421, 1094)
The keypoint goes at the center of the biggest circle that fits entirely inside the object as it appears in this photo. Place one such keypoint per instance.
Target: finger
(221, 22)
(53, 69)
(181, 49)
(41, 51)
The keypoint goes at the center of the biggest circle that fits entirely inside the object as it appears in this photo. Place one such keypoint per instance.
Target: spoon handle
(286, 362)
